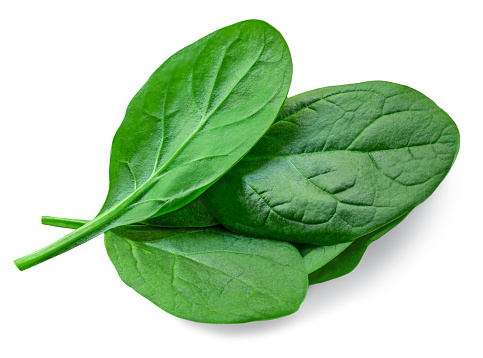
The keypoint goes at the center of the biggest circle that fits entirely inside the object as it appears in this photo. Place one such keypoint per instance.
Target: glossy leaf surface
(210, 275)
(339, 163)
(195, 117)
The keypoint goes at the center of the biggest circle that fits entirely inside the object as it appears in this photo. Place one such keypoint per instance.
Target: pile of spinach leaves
(227, 200)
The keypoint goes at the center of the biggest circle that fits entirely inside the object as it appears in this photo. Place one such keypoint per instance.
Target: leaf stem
(100, 224)
(84, 233)
(75, 238)
(63, 222)
(77, 223)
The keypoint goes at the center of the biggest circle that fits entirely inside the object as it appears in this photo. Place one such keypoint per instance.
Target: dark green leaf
(195, 117)
(339, 163)
(209, 275)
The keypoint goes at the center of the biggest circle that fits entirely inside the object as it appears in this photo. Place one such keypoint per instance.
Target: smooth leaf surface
(325, 263)
(210, 275)
(195, 117)
(339, 163)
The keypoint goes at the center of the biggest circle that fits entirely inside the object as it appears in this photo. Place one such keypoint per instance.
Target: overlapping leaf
(339, 163)
(209, 275)
(195, 117)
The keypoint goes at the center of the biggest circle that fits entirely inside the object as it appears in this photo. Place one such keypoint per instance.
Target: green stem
(75, 238)
(99, 225)
(63, 222)
(90, 230)
(77, 223)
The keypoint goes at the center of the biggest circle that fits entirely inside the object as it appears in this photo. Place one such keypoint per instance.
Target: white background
(68, 71)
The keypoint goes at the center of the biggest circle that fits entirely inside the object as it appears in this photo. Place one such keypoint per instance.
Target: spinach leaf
(209, 275)
(339, 163)
(325, 263)
(195, 117)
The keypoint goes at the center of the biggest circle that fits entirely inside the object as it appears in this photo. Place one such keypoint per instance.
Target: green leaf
(325, 263)
(209, 275)
(195, 117)
(339, 163)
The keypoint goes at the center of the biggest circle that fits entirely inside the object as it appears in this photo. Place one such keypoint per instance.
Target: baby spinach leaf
(339, 163)
(209, 275)
(195, 117)
(325, 263)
